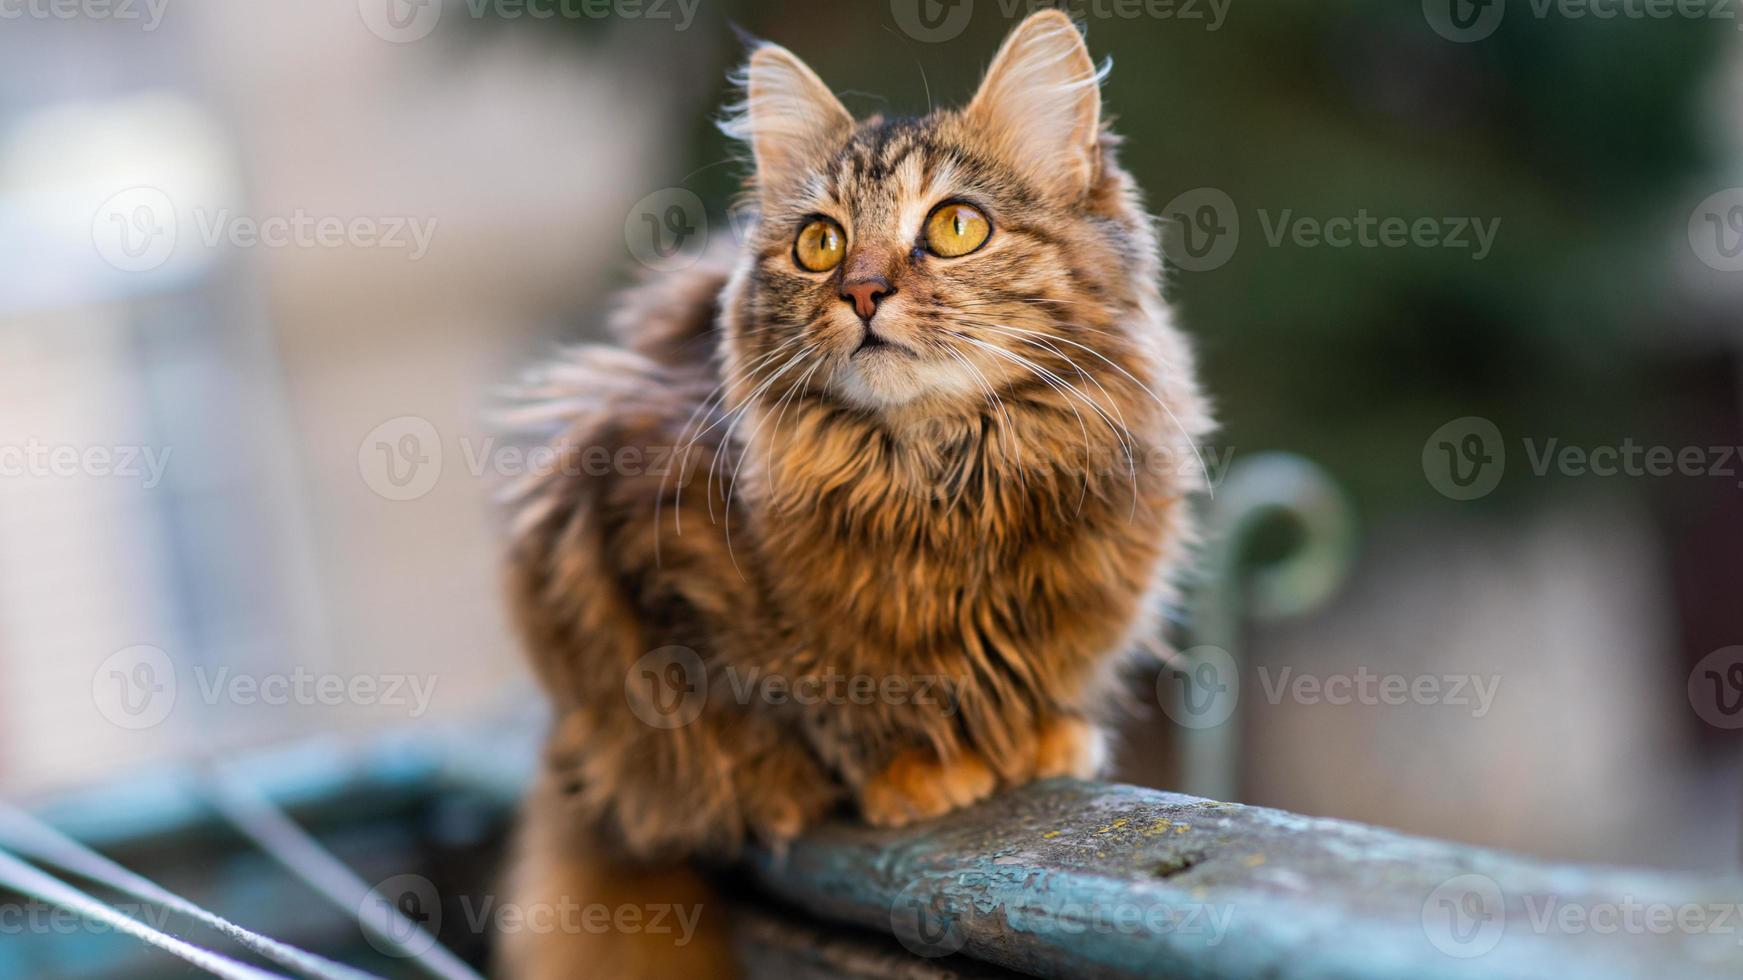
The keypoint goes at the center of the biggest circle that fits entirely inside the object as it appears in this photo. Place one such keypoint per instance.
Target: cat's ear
(788, 116)
(1041, 103)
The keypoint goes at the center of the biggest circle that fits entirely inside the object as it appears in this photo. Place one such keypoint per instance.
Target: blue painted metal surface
(1061, 879)
(1068, 879)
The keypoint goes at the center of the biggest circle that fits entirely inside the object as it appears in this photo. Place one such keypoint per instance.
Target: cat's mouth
(872, 343)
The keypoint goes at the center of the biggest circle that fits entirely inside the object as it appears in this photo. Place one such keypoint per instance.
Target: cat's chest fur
(877, 547)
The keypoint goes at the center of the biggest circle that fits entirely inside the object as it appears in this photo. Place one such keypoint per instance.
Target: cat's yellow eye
(820, 245)
(956, 229)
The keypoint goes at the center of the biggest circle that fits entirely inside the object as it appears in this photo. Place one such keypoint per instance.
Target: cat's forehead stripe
(881, 149)
(876, 151)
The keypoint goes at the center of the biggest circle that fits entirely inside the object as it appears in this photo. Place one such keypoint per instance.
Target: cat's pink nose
(864, 295)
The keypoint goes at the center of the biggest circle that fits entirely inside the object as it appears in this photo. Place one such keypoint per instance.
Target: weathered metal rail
(1060, 879)
(1069, 879)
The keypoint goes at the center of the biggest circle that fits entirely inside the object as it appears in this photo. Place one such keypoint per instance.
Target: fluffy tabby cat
(927, 427)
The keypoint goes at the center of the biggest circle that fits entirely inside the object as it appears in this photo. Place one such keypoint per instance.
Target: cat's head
(925, 264)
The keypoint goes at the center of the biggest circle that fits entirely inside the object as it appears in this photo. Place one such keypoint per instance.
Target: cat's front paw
(917, 785)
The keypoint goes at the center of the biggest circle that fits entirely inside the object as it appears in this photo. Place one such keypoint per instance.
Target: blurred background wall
(263, 266)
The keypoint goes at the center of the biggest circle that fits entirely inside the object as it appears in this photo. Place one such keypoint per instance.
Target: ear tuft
(1041, 103)
(787, 115)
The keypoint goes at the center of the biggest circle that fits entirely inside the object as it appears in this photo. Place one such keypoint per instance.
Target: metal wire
(27, 879)
(26, 835)
(287, 843)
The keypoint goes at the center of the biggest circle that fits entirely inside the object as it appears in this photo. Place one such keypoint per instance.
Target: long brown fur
(953, 542)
